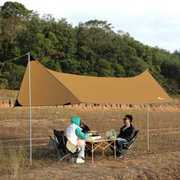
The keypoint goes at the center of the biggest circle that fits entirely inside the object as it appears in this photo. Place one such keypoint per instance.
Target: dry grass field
(162, 162)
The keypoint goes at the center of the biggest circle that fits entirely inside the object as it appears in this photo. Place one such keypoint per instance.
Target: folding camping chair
(128, 145)
(64, 148)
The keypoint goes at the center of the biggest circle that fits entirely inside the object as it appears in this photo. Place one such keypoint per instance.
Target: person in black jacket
(126, 132)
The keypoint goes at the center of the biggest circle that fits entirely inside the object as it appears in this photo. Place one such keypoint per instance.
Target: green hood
(75, 120)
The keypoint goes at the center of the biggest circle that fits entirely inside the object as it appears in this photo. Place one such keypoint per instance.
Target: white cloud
(154, 22)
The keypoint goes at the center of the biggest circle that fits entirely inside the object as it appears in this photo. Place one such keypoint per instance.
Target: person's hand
(86, 136)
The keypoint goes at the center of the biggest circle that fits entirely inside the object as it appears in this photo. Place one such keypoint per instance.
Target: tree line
(91, 48)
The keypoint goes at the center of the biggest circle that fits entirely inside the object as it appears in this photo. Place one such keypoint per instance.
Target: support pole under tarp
(30, 109)
(147, 127)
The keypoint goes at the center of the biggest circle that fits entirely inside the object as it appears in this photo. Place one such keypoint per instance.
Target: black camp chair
(127, 146)
(59, 142)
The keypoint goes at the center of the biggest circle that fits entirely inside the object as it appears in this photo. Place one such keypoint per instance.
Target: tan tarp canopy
(54, 88)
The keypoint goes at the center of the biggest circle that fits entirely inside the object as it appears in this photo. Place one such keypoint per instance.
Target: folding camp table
(102, 145)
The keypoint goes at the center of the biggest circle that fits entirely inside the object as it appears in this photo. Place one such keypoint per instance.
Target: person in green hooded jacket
(75, 135)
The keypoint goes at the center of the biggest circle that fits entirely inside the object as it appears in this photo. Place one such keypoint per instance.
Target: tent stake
(30, 110)
(147, 128)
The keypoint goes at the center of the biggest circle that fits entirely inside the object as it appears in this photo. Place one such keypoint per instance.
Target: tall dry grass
(13, 162)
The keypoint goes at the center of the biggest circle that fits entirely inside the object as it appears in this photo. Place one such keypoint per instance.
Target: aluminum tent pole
(30, 109)
(147, 127)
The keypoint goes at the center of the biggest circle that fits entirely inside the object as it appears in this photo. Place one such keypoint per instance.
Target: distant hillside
(91, 48)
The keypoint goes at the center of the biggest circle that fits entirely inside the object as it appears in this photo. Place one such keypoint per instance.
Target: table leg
(92, 151)
(115, 149)
(103, 152)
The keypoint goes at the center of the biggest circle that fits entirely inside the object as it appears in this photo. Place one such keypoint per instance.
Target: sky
(152, 22)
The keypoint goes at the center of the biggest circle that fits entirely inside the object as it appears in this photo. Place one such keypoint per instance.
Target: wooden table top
(99, 140)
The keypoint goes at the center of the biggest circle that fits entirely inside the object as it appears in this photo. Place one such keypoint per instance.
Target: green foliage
(13, 9)
(91, 48)
(50, 63)
(13, 74)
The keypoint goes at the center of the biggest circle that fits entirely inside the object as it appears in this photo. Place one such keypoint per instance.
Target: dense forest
(91, 48)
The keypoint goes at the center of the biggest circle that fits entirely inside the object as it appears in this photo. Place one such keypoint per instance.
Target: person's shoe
(80, 161)
(120, 157)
